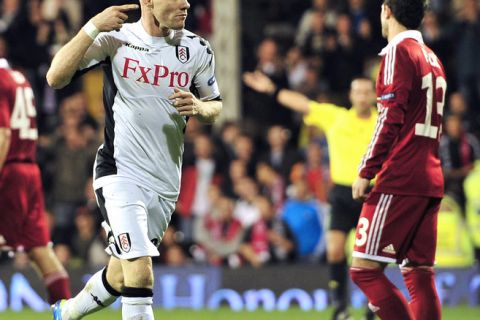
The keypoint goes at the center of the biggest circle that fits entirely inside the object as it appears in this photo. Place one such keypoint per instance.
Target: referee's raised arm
(67, 60)
(293, 100)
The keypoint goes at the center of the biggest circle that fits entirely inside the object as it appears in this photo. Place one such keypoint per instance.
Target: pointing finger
(128, 7)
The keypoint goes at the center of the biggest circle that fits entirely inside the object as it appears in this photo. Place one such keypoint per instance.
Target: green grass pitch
(457, 313)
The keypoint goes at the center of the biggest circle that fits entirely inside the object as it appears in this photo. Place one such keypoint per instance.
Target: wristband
(91, 30)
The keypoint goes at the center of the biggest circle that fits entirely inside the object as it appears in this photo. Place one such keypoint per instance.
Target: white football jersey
(143, 131)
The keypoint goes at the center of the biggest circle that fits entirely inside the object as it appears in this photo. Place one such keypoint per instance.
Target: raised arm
(67, 60)
(290, 99)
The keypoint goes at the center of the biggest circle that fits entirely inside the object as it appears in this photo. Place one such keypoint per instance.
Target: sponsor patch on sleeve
(211, 81)
(387, 96)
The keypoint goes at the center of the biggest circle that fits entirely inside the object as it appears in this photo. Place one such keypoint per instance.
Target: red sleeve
(4, 102)
(393, 90)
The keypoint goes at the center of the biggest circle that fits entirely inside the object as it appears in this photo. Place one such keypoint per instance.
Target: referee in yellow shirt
(348, 135)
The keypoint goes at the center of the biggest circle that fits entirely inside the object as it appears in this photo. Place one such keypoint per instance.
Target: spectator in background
(193, 200)
(433, 35)
(280, 156)
(171, 251)
(466, 35)
(458, 106)
(305, 23)
(314, 172)
(67, 10)
(296, 68)
(225, 144)
(70, 153)
(193, 129)
(28, 39)
(458, 152)
(358, 14)
(220, 234)
(236, 171)
(245, 209)
(272, 185)
(87, 244)
(368, 44)
(316, 41)
(245, 151)
(269, 240)
(345, 61)
(261, 111)
(304, 217)
(8, 12)
(313, 85)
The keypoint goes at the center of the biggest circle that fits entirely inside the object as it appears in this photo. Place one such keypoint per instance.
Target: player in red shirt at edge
(23, 223)
(398, 223)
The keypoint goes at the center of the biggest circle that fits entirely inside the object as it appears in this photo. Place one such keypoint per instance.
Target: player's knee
(360, 276)
(138, 273)
(114, 278)
(419, 277)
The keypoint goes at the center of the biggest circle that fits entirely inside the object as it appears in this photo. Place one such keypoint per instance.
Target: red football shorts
(23, 223)
(393, 228)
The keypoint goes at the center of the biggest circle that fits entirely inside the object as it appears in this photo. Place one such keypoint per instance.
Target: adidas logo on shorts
(389, 249)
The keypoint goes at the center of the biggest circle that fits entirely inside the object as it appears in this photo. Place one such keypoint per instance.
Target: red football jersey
(17, 112)
(411, 88)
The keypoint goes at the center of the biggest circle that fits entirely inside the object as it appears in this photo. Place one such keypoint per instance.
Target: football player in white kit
(151, 70)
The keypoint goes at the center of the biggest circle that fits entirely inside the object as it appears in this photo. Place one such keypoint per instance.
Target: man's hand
(113, 17)
(259, 82)
(359, 188)
(186, 103)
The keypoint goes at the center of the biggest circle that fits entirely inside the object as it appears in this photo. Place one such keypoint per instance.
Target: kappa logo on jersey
(128, 44)
(182, 53)
(124, 241)
(153, 75)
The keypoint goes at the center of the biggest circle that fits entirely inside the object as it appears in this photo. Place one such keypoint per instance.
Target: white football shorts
(135, 219)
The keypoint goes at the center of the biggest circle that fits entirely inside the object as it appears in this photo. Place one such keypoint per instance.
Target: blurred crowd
(255, 191)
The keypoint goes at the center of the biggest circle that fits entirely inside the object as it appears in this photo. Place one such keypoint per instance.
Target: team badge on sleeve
(124, 241)
(182, 53)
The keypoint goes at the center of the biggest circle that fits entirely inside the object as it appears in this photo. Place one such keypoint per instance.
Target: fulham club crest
(183, 54)
(124, 241)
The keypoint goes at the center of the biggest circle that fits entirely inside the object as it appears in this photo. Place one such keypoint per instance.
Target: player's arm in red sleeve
(396, 77)
(5, 132)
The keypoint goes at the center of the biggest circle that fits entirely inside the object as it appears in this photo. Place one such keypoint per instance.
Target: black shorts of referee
(344, 211)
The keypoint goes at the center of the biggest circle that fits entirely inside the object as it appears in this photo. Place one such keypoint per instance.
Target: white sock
(136, 308)
(93, 297)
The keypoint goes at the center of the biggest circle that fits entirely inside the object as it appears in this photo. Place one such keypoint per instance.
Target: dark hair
(408, 12)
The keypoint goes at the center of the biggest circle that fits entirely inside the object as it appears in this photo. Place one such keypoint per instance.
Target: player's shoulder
(192, 40)
(6, 80)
